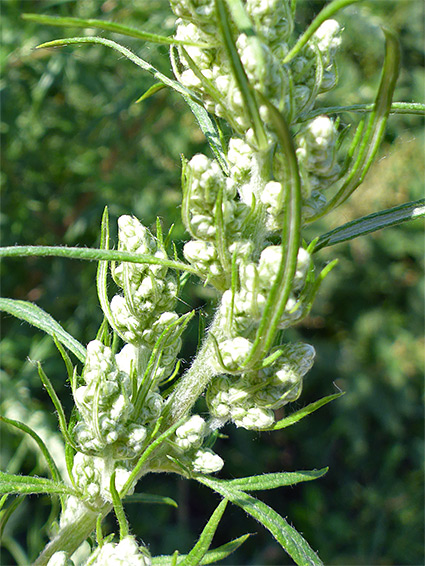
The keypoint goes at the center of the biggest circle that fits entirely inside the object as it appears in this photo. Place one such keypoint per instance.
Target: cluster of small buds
(124, 553)
(105, 405)
(250, 399)
(187, 446)
(206, 188)
(149, 290)
(92, 476)
(316, 154)
(245, 307)
(292, 87)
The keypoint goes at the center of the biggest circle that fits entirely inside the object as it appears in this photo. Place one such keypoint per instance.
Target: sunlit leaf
(35, 316)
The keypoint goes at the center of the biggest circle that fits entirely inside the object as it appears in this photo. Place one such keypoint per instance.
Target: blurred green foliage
(73, 141)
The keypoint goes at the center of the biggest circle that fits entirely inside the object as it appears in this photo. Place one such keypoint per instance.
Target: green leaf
(371, 139)
(118, 508)
(413, 108)
(35, 316)
(151, 91)
(150, 498)
(154, 444)
(209, 129)
(298, 415)
(108, 26)
(211, 557)
(43, 448)
(58, 405)
(274, 480)
(8, 512)
(372, 223)
(327, 12)
(240, 75)
(11, 483)
(92, 254)
(201, 547)
(290, 241)
(126, 53)
(289, 539)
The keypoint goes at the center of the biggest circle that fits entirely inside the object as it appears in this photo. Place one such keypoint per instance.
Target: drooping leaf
(107, 26)
(37, 317)
(94, 40)
(289, 539)
(372, 223)
(43, 448)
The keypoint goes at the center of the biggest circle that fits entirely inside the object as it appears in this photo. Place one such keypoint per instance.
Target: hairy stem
(73, 535)
(193, 383)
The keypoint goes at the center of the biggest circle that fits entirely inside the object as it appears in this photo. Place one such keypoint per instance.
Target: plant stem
(73, 535)
(193, 383)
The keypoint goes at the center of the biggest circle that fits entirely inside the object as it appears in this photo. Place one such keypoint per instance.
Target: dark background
(73, 141)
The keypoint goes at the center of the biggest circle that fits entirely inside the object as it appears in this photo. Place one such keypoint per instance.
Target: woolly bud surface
(125, 553)
(207, 462)
(60, 558)
(191, 434)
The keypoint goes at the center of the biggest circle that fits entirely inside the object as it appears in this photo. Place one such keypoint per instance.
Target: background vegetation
(73, 140)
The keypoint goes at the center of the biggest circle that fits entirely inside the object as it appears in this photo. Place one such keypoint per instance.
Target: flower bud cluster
(248, 400)
(209, 199)
(245, 307)
(316, 154)
(292, 87)
(108, 419)
(92, 476)
(146, 309)
(123, 553)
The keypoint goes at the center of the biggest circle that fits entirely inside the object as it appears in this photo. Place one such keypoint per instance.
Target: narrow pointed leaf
(240, 74)
(43, 448)
(151, 91)
(328, 11)
(370, 142)
(298, 415)
(11, 483)
(211, 557)
(35, 316)
(58, 405)
(107, 26)
(201, 547)
(91, 254)
(282, 285)
(150, 499)
(118, 508)
(289, 539)
(413, 108)
(210, 131)
(372, 223)
(272, 481)
(126, 53)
